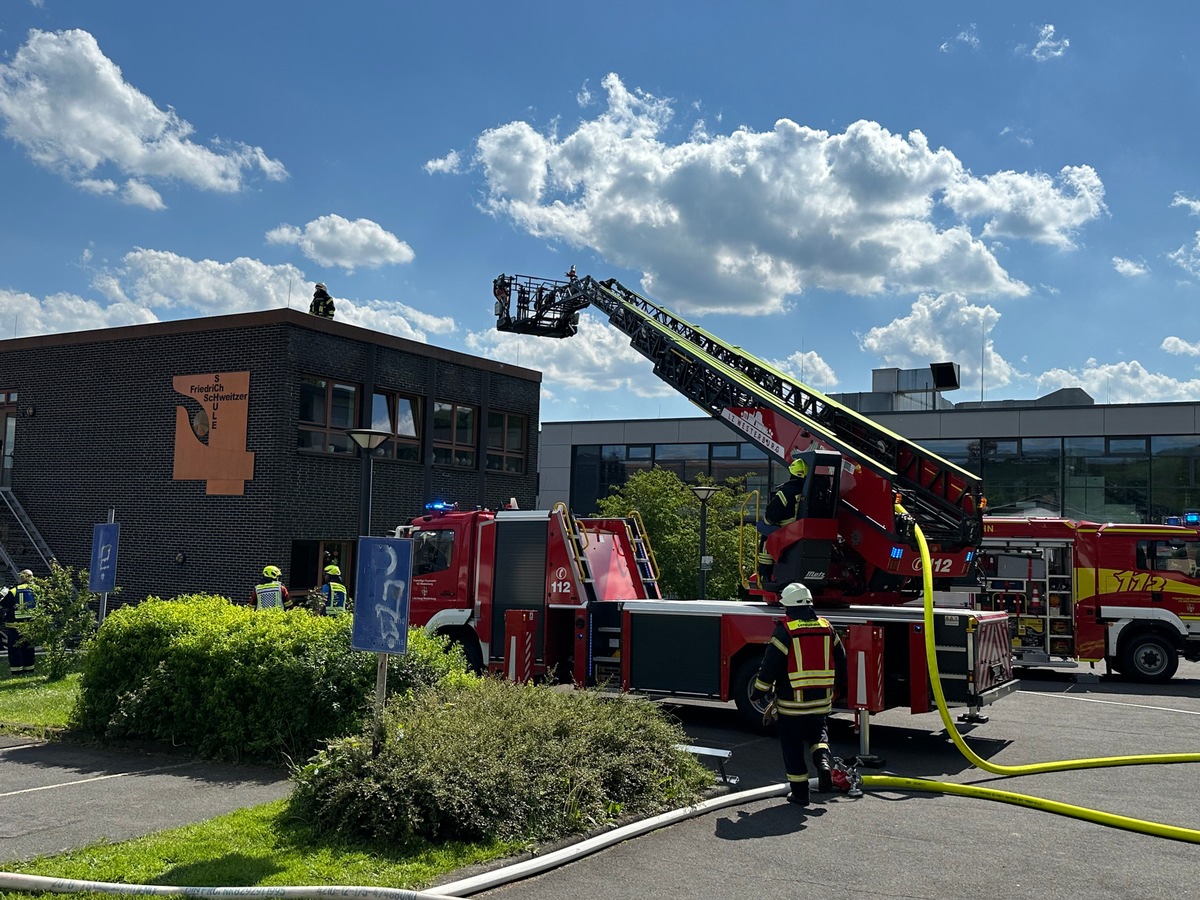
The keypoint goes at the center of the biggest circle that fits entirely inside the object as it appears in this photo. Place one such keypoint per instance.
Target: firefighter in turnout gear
(783, 509)
(803, 664)
(322, 303)
(271, 593)
(18, 604)
(334, 592)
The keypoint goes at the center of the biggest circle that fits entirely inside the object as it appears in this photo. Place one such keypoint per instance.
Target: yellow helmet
(333, 570)
(798, 467)
(272, 571)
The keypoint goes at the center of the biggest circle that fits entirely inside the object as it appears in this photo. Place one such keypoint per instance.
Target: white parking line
(1186, 712)
(47, 787)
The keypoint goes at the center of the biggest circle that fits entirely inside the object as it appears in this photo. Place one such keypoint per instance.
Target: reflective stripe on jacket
(269, 595)
(810, 662)
(26, 602)
(335, 598)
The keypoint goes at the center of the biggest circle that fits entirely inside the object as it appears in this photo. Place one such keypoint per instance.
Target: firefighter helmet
(798, 468)
(26, 574)
(796, 594)
(333, 570)
(272, 571)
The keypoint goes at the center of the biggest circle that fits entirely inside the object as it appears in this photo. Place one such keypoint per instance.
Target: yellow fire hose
(1112, 820)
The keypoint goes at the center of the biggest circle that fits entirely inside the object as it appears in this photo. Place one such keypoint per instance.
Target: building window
(327, 410)
(400, 416)
(454, 434)
(506, 443)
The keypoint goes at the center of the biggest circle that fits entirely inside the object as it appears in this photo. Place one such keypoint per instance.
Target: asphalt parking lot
(884, 844)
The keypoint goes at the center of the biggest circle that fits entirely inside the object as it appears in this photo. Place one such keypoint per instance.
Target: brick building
(221, 445)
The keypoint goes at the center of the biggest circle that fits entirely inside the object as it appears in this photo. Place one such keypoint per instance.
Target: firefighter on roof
(18, 605)
(271, 592)
(322, 303)
(334, 591)
(803, 663)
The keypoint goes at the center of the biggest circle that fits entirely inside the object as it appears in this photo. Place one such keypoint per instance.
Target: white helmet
(796, 594)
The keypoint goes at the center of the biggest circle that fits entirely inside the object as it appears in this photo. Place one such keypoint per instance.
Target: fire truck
(581, 594)
(1125, 595)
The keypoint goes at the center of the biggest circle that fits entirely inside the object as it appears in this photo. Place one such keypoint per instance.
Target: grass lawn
(256, 846)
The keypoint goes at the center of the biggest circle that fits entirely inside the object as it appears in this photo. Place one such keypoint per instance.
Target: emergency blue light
(440, 506)
(1172, 520)
(1191, 518)
(970, 555)
(897, 553)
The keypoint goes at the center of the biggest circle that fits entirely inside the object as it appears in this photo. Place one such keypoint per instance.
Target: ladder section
(734, 386)
(643, 556)
(35, 538)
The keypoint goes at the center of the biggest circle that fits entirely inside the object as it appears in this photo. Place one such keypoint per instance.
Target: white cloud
(740, 222)
(1129, 268)
(599, 359)
(969, 37)
(1048, 46)
(22, 315)
(1121, 382)
(450, 164)
(1189, 203)
(335, 241)
(809, 368)
(1177, 346)
(1188, 257)
(1034, 207)
(940, 329)
(71, 110)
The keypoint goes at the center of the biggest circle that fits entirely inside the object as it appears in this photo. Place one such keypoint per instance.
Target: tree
(61, 619)
(671, 514)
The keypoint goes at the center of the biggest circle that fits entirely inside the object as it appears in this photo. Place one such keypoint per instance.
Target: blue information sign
(381, 595)
(102, 577)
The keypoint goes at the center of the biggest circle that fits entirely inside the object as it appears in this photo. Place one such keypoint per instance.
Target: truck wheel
(743, 683)
(1149, 657)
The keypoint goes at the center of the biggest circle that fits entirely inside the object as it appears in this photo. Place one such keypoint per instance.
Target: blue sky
(834, 187)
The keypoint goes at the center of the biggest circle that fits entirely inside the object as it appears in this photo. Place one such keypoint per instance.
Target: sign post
(102, 576)
(381, 607)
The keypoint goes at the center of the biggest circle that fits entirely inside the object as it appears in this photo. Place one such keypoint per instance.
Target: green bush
(227, 682)
(488, 759)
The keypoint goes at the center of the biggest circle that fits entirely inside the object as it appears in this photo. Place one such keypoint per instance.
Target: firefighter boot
(799, 794)
(824, 771)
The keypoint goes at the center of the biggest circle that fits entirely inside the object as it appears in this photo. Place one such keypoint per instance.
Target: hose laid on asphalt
(461, 888)
(1112, 820)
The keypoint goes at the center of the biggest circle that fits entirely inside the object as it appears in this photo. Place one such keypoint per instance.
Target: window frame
(403, 447)
(462, 451)
(335, 438)
(504, 455)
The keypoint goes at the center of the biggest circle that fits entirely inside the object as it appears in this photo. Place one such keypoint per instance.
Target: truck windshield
(433, 551)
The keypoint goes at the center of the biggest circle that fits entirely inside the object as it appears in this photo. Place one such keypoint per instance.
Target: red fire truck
(579, 597)
(1125, 595)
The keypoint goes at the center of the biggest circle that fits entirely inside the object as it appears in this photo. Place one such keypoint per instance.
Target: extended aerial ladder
(867, 485)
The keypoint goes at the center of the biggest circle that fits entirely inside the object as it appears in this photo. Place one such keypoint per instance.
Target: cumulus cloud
(70, 108)
(742, 221)
(24, 314)
(335, 241)
(1191, 204)
(809, 368)
(163, 285)
(941, 328)
(450, 164)
(1177, 346)
(1120, 382)
(1129, 268)
(1048, 46)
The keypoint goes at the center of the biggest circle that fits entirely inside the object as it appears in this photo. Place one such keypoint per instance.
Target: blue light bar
(897, 553)
(1191, 518)
(440, 506)
(970, 555)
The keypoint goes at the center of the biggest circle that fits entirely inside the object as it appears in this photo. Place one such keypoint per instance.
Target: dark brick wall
(102, 433)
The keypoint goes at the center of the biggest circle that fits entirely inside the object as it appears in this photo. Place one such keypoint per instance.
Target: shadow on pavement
(1054, 681)
(215, 872)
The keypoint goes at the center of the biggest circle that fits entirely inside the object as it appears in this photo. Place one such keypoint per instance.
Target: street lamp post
(368, 439)
(703, 493)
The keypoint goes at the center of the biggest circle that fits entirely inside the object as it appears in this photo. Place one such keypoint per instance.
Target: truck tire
(743, 683)
(1149, 657)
